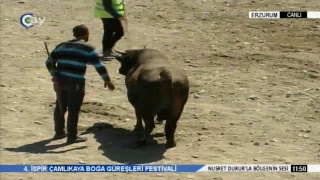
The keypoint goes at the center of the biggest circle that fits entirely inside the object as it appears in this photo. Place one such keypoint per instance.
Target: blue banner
(98, 168)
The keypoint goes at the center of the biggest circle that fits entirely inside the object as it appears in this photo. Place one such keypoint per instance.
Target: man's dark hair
(80, 30)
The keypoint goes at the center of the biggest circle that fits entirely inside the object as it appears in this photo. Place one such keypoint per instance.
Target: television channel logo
(28, 20)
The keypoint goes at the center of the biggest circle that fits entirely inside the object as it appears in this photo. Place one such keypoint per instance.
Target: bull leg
(161, 116)
(149, 126)
(170, 128)
(138, 127)
(171, 123)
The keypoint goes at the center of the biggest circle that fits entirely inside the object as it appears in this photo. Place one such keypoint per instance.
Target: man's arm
(99, 66)
(50, 66)
(108, 7)
(51, 62)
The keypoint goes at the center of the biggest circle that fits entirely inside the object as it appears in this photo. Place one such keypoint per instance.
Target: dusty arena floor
(255, 88)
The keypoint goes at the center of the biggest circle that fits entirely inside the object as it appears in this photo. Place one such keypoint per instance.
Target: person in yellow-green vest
(111, 12)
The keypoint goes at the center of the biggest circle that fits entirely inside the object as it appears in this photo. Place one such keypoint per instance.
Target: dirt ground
(255, 88)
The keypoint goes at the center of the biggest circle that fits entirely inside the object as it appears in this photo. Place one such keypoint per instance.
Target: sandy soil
(255, 88)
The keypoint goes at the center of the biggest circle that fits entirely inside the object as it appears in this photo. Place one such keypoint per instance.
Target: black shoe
(76, 140)
(59, 136)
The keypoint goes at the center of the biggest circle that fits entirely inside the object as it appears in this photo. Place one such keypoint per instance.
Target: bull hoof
(171, 144)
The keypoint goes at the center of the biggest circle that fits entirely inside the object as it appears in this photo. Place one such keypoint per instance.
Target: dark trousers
(113, 32)
(69, 97)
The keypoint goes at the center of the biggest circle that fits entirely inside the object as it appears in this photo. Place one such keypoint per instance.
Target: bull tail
(166, 76)
(166, 80)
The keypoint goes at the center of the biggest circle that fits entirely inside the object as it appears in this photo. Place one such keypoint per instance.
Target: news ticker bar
(284, 14)
(280, 168)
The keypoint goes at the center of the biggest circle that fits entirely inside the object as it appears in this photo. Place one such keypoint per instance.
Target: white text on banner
(152, 168)
(264, 14)
(246, 168)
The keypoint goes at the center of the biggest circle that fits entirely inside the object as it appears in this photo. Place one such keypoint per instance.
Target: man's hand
(55, 84)
(109, 84)
(54, 80)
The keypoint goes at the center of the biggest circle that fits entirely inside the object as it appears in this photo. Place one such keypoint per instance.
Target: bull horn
(120, 52)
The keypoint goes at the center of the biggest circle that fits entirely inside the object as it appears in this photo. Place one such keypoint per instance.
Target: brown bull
(154, 87)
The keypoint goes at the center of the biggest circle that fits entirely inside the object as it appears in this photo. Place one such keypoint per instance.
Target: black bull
(154, 87)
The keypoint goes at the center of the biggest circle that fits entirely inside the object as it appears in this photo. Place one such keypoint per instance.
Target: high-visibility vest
(100, 12)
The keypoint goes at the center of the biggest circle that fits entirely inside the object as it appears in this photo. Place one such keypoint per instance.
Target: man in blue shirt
(67, 65)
